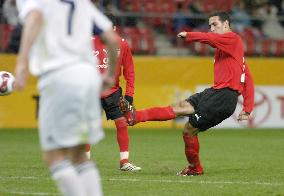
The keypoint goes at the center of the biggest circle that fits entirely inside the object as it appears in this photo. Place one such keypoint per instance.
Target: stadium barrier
(159, 81)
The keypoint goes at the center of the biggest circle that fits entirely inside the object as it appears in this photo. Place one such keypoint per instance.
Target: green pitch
(236, 162)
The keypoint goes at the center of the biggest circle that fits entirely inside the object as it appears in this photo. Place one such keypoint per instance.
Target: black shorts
(212, 106)
(110, 105)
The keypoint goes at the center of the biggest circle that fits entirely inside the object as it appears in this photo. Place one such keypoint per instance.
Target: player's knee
(188, 107)
(54, 156)
(189, 129)
(120, 123)
(183, 108)
(77, 154)
(49, 159)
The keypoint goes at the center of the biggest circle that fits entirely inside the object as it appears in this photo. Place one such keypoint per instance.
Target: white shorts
(70, 108)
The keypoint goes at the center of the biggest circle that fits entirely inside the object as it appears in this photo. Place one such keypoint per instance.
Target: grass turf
(236, 162)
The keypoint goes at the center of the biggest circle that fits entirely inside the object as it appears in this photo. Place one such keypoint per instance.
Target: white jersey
(64, 39)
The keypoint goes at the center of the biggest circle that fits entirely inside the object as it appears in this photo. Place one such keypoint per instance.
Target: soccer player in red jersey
(110, 98)
(210, 107)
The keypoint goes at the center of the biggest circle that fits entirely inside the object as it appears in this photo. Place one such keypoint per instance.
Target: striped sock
(90, 177)
(67, 179)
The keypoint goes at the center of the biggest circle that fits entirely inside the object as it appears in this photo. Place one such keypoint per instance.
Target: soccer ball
(6, 83)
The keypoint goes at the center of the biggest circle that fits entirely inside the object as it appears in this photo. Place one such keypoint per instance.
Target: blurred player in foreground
(210, 107)
(56, 42)
(110, 98)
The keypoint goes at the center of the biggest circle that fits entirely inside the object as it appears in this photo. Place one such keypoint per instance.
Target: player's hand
(243, 116)
(182, 34)
(21, 76)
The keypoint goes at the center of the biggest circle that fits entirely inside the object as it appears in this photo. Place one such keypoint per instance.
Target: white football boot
(129, 167)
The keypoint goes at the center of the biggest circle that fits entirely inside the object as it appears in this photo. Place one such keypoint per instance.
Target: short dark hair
(223, 16)
(112, 18)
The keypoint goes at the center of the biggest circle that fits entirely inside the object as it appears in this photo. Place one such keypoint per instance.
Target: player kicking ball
(110, 98)
(210, 107)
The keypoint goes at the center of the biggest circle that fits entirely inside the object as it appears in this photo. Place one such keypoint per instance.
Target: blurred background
(167, 69)
(151, 25)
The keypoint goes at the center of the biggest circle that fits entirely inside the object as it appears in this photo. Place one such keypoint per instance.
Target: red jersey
(124, 64)
(230, 68)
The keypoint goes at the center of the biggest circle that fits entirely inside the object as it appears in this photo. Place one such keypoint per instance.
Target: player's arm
(248, 95)
(128, 72)
(223, 42)
(31, 28)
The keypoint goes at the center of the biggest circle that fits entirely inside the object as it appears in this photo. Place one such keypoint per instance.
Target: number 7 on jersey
(70, 15)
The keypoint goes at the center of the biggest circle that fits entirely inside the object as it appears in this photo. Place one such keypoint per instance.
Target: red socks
(122, 134)
(192, 150)
(155, 114)
(122, 139)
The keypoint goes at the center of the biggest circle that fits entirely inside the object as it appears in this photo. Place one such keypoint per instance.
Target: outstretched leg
(154, 114)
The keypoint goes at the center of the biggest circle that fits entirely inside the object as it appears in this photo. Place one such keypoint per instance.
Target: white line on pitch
(153, 180)
(29, 193)
(197, 182)
(23, 177)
